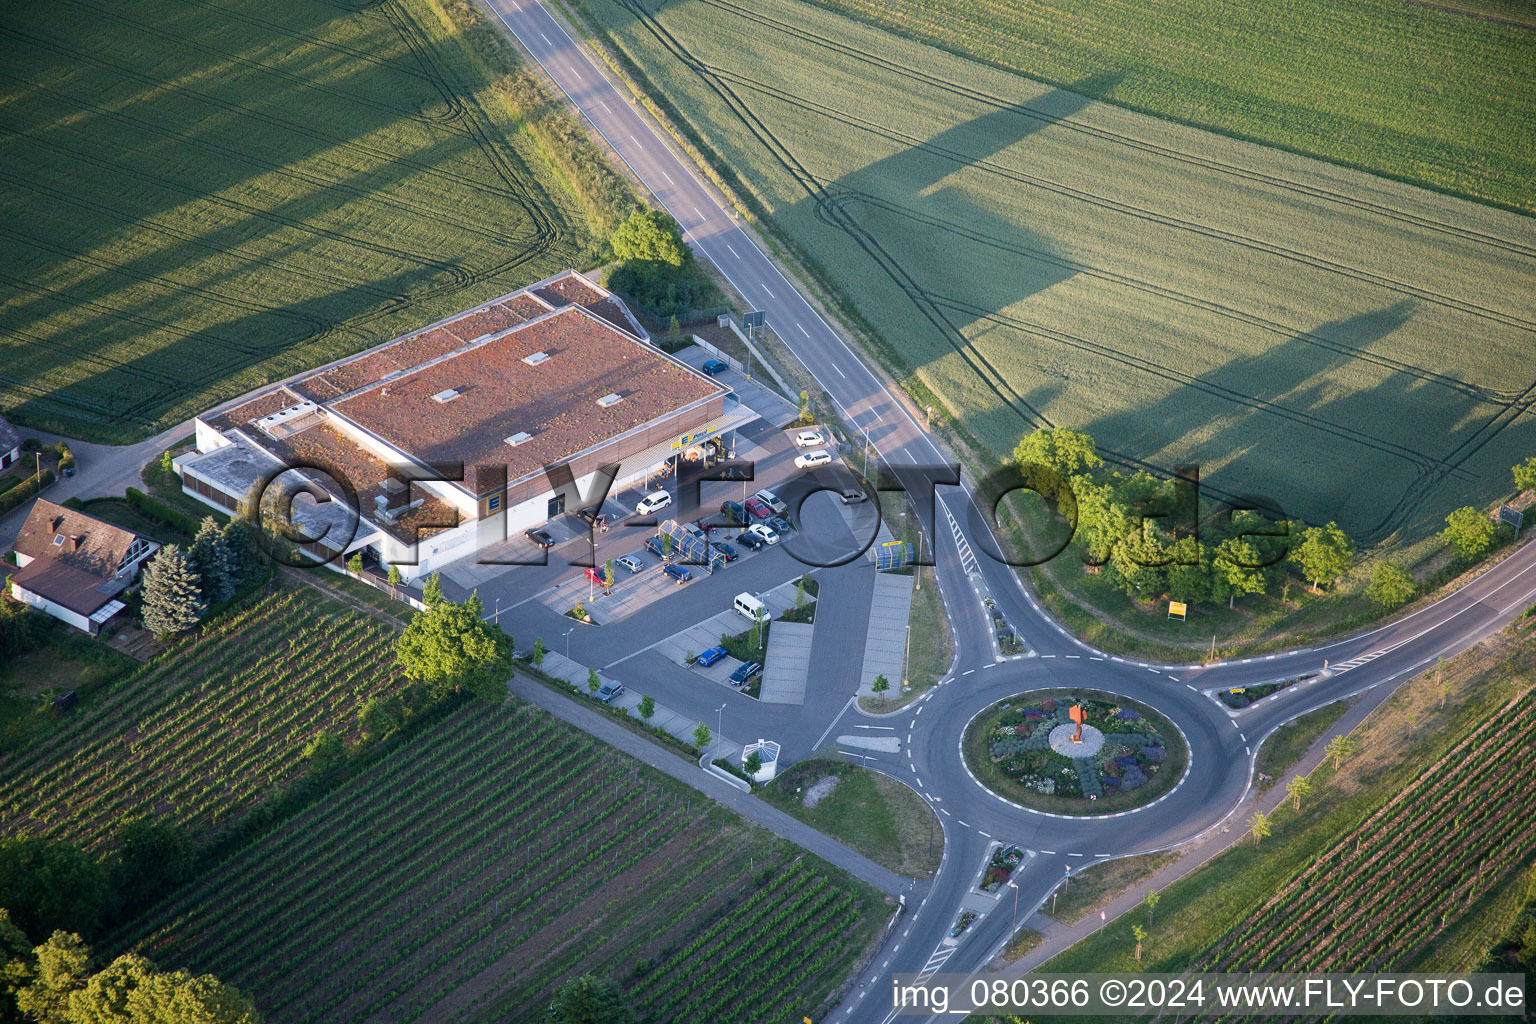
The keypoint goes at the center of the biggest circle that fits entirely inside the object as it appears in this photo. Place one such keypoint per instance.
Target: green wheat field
(1356, 348)
(203, 195)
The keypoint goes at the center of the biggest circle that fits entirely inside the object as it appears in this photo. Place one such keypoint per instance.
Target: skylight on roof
(536, 358)
(518, 438)
(609, 400)
(58, 539)
(443, 397)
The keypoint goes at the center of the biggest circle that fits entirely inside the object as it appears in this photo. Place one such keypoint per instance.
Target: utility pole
(906, 656)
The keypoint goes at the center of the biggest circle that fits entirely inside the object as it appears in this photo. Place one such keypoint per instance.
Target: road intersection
(1222, 742)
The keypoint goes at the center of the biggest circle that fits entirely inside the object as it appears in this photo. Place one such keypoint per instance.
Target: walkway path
(885, 645)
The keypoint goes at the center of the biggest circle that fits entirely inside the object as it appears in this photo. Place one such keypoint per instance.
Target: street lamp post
(1015, 887)
(568, 642)
(719, 725)
(906, 657)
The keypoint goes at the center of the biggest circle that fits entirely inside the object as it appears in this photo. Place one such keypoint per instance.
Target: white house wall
(42, 604)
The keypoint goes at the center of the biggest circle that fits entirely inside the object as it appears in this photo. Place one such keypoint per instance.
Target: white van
(751, 607)
(652, 503)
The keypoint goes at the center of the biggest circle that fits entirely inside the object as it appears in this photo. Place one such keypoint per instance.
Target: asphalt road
(1222, 743)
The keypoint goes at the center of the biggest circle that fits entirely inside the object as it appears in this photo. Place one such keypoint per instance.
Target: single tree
(1139, 934)
(1525, 475)
(647, 707)
(1298, 787)
(537, 657)
(324, 752)
(247, 557)
(674, 334)
(608, 575)
(1442, 682)
(1468, 532)
(1068, 451)
(1413, 719)
(1339, 748)
(131, 990)
(666, 545)
(1390, 586)
(881, 684)
(588, 1000)
(806, 417)
(1236, 569)
(15, 965)
(701, 736)
(379, 717)
(753, 764)
(594, 683)
(432, 591)
(394, 579)
(650, 237)
(172, 594)
(355, 564)
(62, 967)
(211, 556)
(801, 598)
(1189, 575)
(1258, 826)
(1151, 900)
(451, 647)
(1324, 554)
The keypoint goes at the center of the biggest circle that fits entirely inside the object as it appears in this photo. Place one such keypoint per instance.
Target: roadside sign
(1513, 516)
(756, 318)
(1178, 608)
(1237, 689)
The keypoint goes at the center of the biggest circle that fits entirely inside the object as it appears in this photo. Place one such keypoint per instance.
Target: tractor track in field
(451, 112)
(842, 193)
(1000, 103)
(1111, 205)
(463, 118)
(1420, 460)
(828, 210)
(375, 156)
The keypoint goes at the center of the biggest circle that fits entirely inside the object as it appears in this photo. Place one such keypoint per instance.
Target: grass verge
(866, 811)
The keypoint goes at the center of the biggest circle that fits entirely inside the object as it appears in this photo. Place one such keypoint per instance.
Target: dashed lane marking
(803, 331)
(733, 250)
(546, 39)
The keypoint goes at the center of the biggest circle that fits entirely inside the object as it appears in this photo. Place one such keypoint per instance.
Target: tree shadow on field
(1281, 424)
(934, 247)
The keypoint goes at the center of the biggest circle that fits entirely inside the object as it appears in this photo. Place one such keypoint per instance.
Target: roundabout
(1075, 752)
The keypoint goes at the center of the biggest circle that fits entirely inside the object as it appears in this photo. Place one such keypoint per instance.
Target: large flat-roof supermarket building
(553, 374)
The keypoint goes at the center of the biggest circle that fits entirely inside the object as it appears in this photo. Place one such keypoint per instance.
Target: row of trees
(53, 984)
(180, 585)
(1151, 537)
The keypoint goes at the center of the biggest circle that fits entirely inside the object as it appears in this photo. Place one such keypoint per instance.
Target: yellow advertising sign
(1178, 608)
(691, 439)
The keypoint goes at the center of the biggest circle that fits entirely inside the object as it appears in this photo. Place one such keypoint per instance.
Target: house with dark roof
(74, 566)
(10, 443)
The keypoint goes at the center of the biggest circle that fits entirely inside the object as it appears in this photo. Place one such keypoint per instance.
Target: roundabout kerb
(1166, 752)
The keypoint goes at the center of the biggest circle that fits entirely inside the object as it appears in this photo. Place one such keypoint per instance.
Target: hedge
(19, 494)
(147, 506)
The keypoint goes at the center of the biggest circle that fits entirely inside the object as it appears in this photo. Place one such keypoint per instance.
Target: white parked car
(810, 460)
(769, 535)
(809, 439)
(653, 502)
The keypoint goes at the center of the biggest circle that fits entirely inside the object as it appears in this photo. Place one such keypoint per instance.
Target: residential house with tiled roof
(75, 567)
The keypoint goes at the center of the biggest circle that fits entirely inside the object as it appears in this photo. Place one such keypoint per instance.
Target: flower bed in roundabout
(1023, 749)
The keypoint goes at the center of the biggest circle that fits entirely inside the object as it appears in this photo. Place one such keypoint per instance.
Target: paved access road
(1222, 743)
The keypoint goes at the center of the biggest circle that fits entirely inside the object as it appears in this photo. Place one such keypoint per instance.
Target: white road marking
(840, 372)
(803, 331)
(697, 213)
(981, 833)
(604, 106)
(574, 71)
(770, 292)
(546, 39)
(664, 174)
(733, 251)
(635, 141)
